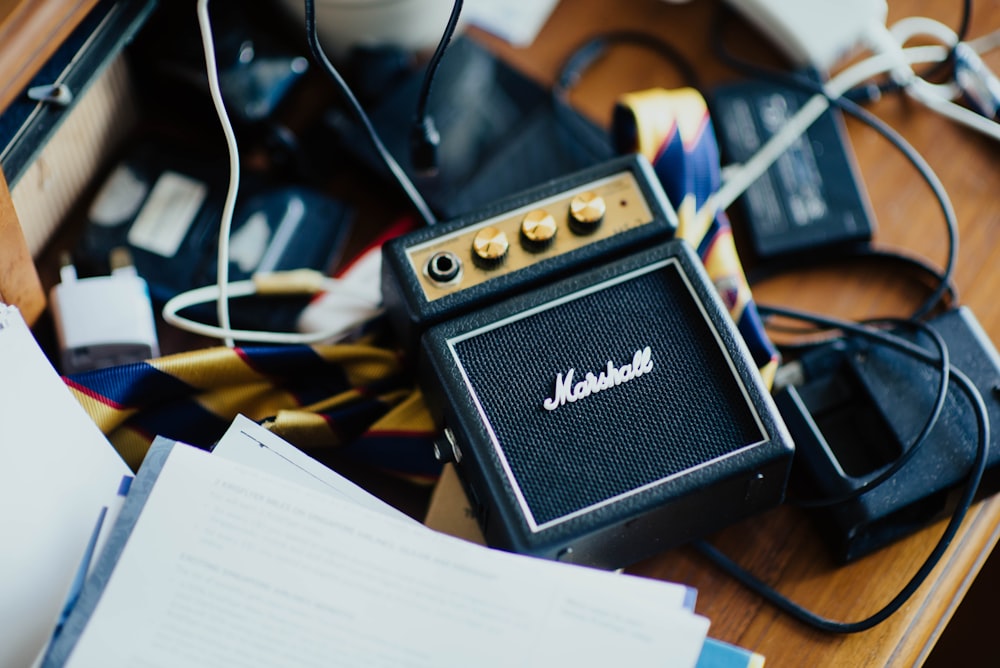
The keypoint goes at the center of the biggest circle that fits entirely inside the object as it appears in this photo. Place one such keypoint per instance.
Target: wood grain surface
(19, 281)
(781, 546)
(30, 31)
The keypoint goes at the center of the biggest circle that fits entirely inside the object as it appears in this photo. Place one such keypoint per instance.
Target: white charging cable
(739, 177)
(222, 271)
(354, 305)
(937, 98)
(356, 301)
(892, 57)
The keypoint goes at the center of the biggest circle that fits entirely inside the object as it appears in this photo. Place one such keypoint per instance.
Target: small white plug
(814, 33)
(103, 321)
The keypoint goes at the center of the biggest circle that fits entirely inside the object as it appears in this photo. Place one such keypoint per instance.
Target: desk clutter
(282, 559)
(292, 576)
(542, 328)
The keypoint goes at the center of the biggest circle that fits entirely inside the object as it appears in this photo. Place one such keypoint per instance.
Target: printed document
(57, 470)
(225, 565)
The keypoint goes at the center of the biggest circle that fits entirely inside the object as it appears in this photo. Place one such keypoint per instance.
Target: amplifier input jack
(444, 268)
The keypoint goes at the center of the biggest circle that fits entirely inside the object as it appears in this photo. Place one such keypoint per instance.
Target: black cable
(766, 271)
(975, 475)
(911, 154)
(576, 65)
(587, 53)
(937, 189)
(424, 138)
(404, 182)
(943, 287)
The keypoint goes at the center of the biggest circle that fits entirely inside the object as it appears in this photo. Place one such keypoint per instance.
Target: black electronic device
(812, 199)
(500, 131)
(607, 416)
(857, 411)
(164, 204)
(260, 63)
(597, 399)
(559, 227)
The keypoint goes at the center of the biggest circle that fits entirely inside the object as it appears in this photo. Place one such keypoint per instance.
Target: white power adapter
(103, 321)
(814, 33)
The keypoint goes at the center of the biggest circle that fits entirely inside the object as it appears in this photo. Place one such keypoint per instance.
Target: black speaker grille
(688, 410)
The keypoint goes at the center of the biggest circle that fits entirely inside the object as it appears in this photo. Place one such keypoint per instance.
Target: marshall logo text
(568, 391)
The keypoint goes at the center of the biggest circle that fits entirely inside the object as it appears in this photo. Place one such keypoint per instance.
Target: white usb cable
(939, 98)
(222, 273)
(739, 177)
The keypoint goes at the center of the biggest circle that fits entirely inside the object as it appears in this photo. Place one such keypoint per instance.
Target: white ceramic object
(414, 25)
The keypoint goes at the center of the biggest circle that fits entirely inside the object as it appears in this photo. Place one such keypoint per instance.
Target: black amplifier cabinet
(609, 415)
(560, 227)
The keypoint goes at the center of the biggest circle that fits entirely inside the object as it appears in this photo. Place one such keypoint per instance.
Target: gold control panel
(528, 235)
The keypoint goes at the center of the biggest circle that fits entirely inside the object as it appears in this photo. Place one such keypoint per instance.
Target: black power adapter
(856, 410)
(812, 198)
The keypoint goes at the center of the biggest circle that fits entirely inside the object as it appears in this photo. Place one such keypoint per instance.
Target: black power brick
(812, 198)
(856, 411)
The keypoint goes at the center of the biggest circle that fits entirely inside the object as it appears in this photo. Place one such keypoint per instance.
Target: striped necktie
(673, 130)
(353, 398)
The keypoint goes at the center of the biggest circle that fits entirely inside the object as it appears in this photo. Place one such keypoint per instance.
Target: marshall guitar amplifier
(598, 414)
(608, 416)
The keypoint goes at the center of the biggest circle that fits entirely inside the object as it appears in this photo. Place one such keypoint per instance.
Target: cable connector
(978, 83)
(424, 141)
(292, 282)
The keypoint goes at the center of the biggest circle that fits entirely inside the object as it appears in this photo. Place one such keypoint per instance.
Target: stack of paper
(57, 471)
(214, 562)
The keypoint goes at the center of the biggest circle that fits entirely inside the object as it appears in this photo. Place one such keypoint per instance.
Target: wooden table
(781, 546)
(30, 31)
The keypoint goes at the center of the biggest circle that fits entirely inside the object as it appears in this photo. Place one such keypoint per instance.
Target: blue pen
(83, 569)
(81, 574)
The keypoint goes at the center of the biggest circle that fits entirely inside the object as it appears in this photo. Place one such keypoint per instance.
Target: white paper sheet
(515, 21)
(249, 443)
(56, 472)
(229, 566)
